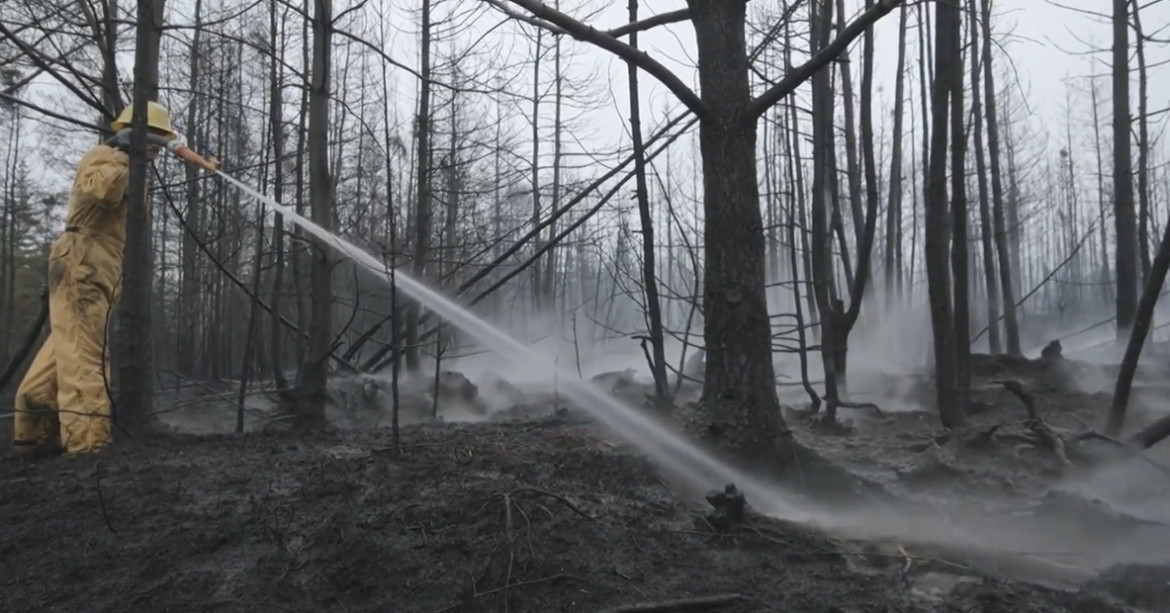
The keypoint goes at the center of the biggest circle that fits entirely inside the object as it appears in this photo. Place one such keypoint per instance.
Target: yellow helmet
(157, 117)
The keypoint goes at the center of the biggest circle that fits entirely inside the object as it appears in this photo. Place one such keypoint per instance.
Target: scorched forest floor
(537, 514)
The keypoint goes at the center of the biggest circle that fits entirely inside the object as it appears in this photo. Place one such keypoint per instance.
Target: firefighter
(63, 402)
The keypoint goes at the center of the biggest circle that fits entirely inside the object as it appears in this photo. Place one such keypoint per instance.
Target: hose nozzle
(181, 150)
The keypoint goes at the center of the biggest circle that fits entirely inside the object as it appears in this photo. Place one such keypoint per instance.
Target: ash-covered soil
(553, 514)
(485, 517)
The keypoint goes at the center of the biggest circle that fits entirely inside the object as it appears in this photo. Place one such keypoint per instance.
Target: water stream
(987, 534)
(671, 451)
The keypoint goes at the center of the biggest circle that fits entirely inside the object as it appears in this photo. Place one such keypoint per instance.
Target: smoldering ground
(530, 506)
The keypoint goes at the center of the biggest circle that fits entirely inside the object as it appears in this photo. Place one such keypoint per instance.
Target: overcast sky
(1047, 43)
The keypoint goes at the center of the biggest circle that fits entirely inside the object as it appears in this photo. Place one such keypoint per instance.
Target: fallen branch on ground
(1047, 437)
(843, 404)
(1039, 427)
(680, 604)
(555, 496)
(511, 586)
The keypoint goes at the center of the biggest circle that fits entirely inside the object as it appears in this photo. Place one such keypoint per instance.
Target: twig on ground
(511, 547)
(904, 575)
(512, 586)
(1083, 423)
(680, 604)
(97, 475)
(555, 496)
(1129, 449)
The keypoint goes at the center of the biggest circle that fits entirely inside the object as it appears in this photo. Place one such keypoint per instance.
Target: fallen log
(679, 604)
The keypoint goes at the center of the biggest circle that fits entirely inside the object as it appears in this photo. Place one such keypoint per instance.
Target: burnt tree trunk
(1124, 215)
(1133, 350)
(739, 380)
(135, 407)
(823, 177)
(188, 311)
(276, 126)
(894, 202)
(1002, 246)
(937, 235)
(649, 270)
(311, 409)
(985, 230)
(1143, 166)
(959, 270)
(423, 213)
(739, 392)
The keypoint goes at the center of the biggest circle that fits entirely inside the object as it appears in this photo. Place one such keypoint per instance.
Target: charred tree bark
(422, 217)
(865, 244)
(853, 174)
(839, 319)
(739, 395)
(135, 407)
(986, 229)
(1143, 168)
(937, 236)
(894, 201)
(550, 270)
(959, 253)
(1137, 339)
(276, 127)
(1105, 275)
(189, 286)
(108, 45)
(1124, 215)
(538, 294)
(311, 413)
(739, 378)
(1002, 246)
(300, 261)
(822, 264)
(649, 270)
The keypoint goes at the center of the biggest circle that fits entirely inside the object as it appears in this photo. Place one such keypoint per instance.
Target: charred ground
(534, 514)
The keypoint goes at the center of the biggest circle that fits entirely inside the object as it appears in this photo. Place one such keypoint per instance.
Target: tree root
(1042, 431)
(1045, 436)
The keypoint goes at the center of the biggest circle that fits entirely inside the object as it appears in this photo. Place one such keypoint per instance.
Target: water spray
(638, 429)
(670, 450)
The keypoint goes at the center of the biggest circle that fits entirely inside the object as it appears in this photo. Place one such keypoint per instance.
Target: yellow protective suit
(63, 399)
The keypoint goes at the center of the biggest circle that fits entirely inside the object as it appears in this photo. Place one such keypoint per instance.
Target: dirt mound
(526, 516)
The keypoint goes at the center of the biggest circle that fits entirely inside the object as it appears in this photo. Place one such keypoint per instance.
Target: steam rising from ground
(887, 347)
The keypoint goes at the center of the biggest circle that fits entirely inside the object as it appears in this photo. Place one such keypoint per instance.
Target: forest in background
(476, 165)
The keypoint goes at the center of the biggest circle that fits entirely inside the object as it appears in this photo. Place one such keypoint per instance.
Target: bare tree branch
(650, 22)
(641, 59)
(43, 64)
(805, 71)
(5, 96)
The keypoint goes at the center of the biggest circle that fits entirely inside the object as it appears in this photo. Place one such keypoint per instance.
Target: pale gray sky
(1047, 43)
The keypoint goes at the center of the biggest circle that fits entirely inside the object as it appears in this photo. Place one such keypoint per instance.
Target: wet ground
(550, 514)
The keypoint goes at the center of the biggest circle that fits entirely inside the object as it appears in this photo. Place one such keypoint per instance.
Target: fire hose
(121, 140)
